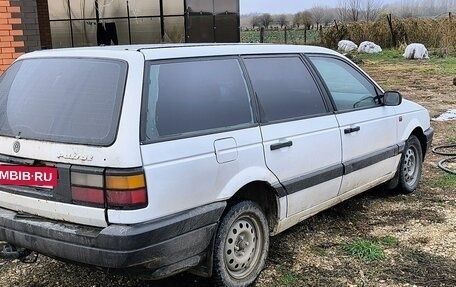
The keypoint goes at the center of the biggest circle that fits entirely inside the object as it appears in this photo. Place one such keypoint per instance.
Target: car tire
(411, 166)
(241, 245)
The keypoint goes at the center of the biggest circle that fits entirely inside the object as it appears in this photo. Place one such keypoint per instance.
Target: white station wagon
(178, 157)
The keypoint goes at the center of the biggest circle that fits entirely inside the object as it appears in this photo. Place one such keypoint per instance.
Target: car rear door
(368, 129)
(301, 137)
(198, 133)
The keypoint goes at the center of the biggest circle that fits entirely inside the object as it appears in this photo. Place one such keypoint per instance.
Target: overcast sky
(286, 6)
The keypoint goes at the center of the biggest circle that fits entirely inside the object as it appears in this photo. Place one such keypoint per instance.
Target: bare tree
(255, 21)
(432, 9)
(330, 15)
(349, 10)
(422, 8)
(318, 14)
(372, 9)
(297, 20)
(408, 8)
(354, 9)
(369, 10)
(282, 20)
(342, 10)
(303, 18)
(266, 20)
(306, 18)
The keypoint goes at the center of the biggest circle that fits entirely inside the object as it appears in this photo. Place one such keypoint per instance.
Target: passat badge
(16, 146)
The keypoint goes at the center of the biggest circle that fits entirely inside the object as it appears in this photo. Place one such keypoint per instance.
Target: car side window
(349, 88)
(195, 96)
(284, 87)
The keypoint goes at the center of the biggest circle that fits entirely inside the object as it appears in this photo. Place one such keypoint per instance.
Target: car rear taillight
(93, 196)
(88, 188)
(127, 191)
(117, 189)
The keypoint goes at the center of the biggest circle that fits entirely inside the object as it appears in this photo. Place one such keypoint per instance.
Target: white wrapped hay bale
(347, 46)
(449, 115)
(369, 47)
(416, 51)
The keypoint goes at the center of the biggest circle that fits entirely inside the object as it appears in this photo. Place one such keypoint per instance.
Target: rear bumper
(153, 245)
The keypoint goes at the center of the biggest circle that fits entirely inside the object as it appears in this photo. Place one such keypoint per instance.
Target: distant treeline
(352, 11)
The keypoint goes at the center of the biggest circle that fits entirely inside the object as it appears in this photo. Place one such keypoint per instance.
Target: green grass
(436, 65)
(364, 249)
(395, 82)
(452, 135)
(445, 65)
(387, 56)
(288, 279)
(388, 241)
(452, 139)
(445, 181)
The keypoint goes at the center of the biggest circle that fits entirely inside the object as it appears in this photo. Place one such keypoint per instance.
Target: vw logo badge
(16, 146)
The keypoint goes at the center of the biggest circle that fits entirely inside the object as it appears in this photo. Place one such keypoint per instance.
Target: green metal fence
(281, 36)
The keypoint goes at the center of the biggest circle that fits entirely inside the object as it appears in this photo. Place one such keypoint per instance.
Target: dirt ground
(417, 233)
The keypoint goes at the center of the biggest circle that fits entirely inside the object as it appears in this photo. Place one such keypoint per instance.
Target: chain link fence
(282, 36)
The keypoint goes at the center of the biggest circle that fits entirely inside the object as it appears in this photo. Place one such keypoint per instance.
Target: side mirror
(392, 98)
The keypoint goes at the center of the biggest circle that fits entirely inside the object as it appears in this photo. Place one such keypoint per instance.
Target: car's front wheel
(241, 245)
(411, 165)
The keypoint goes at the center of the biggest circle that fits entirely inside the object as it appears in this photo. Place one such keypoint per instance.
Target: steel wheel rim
(243, 246)
(411, 166)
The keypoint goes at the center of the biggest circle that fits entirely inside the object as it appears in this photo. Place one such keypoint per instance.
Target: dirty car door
(368, 128)
(301, 137)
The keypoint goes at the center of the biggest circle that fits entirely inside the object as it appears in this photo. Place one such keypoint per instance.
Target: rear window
(62, 100)
(202, 96)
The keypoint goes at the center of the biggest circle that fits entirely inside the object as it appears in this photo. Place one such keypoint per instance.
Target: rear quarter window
(194, 97)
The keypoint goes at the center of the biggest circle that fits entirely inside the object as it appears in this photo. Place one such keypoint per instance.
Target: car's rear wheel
(411, 165)
(241, 245)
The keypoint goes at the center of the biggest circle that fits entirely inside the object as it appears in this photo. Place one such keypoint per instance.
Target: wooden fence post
(390, 23)
(286, 40)
(305, 35)
(262, 35)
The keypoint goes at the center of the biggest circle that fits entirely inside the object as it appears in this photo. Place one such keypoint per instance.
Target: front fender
(408, 130)
(413, 116)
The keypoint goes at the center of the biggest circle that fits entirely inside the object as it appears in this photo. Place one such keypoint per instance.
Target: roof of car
(168, 51)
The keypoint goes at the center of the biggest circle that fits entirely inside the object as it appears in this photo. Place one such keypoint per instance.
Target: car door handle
(281, 145)
(352, 130)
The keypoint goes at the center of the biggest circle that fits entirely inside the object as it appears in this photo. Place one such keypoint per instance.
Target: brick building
(29, 25)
